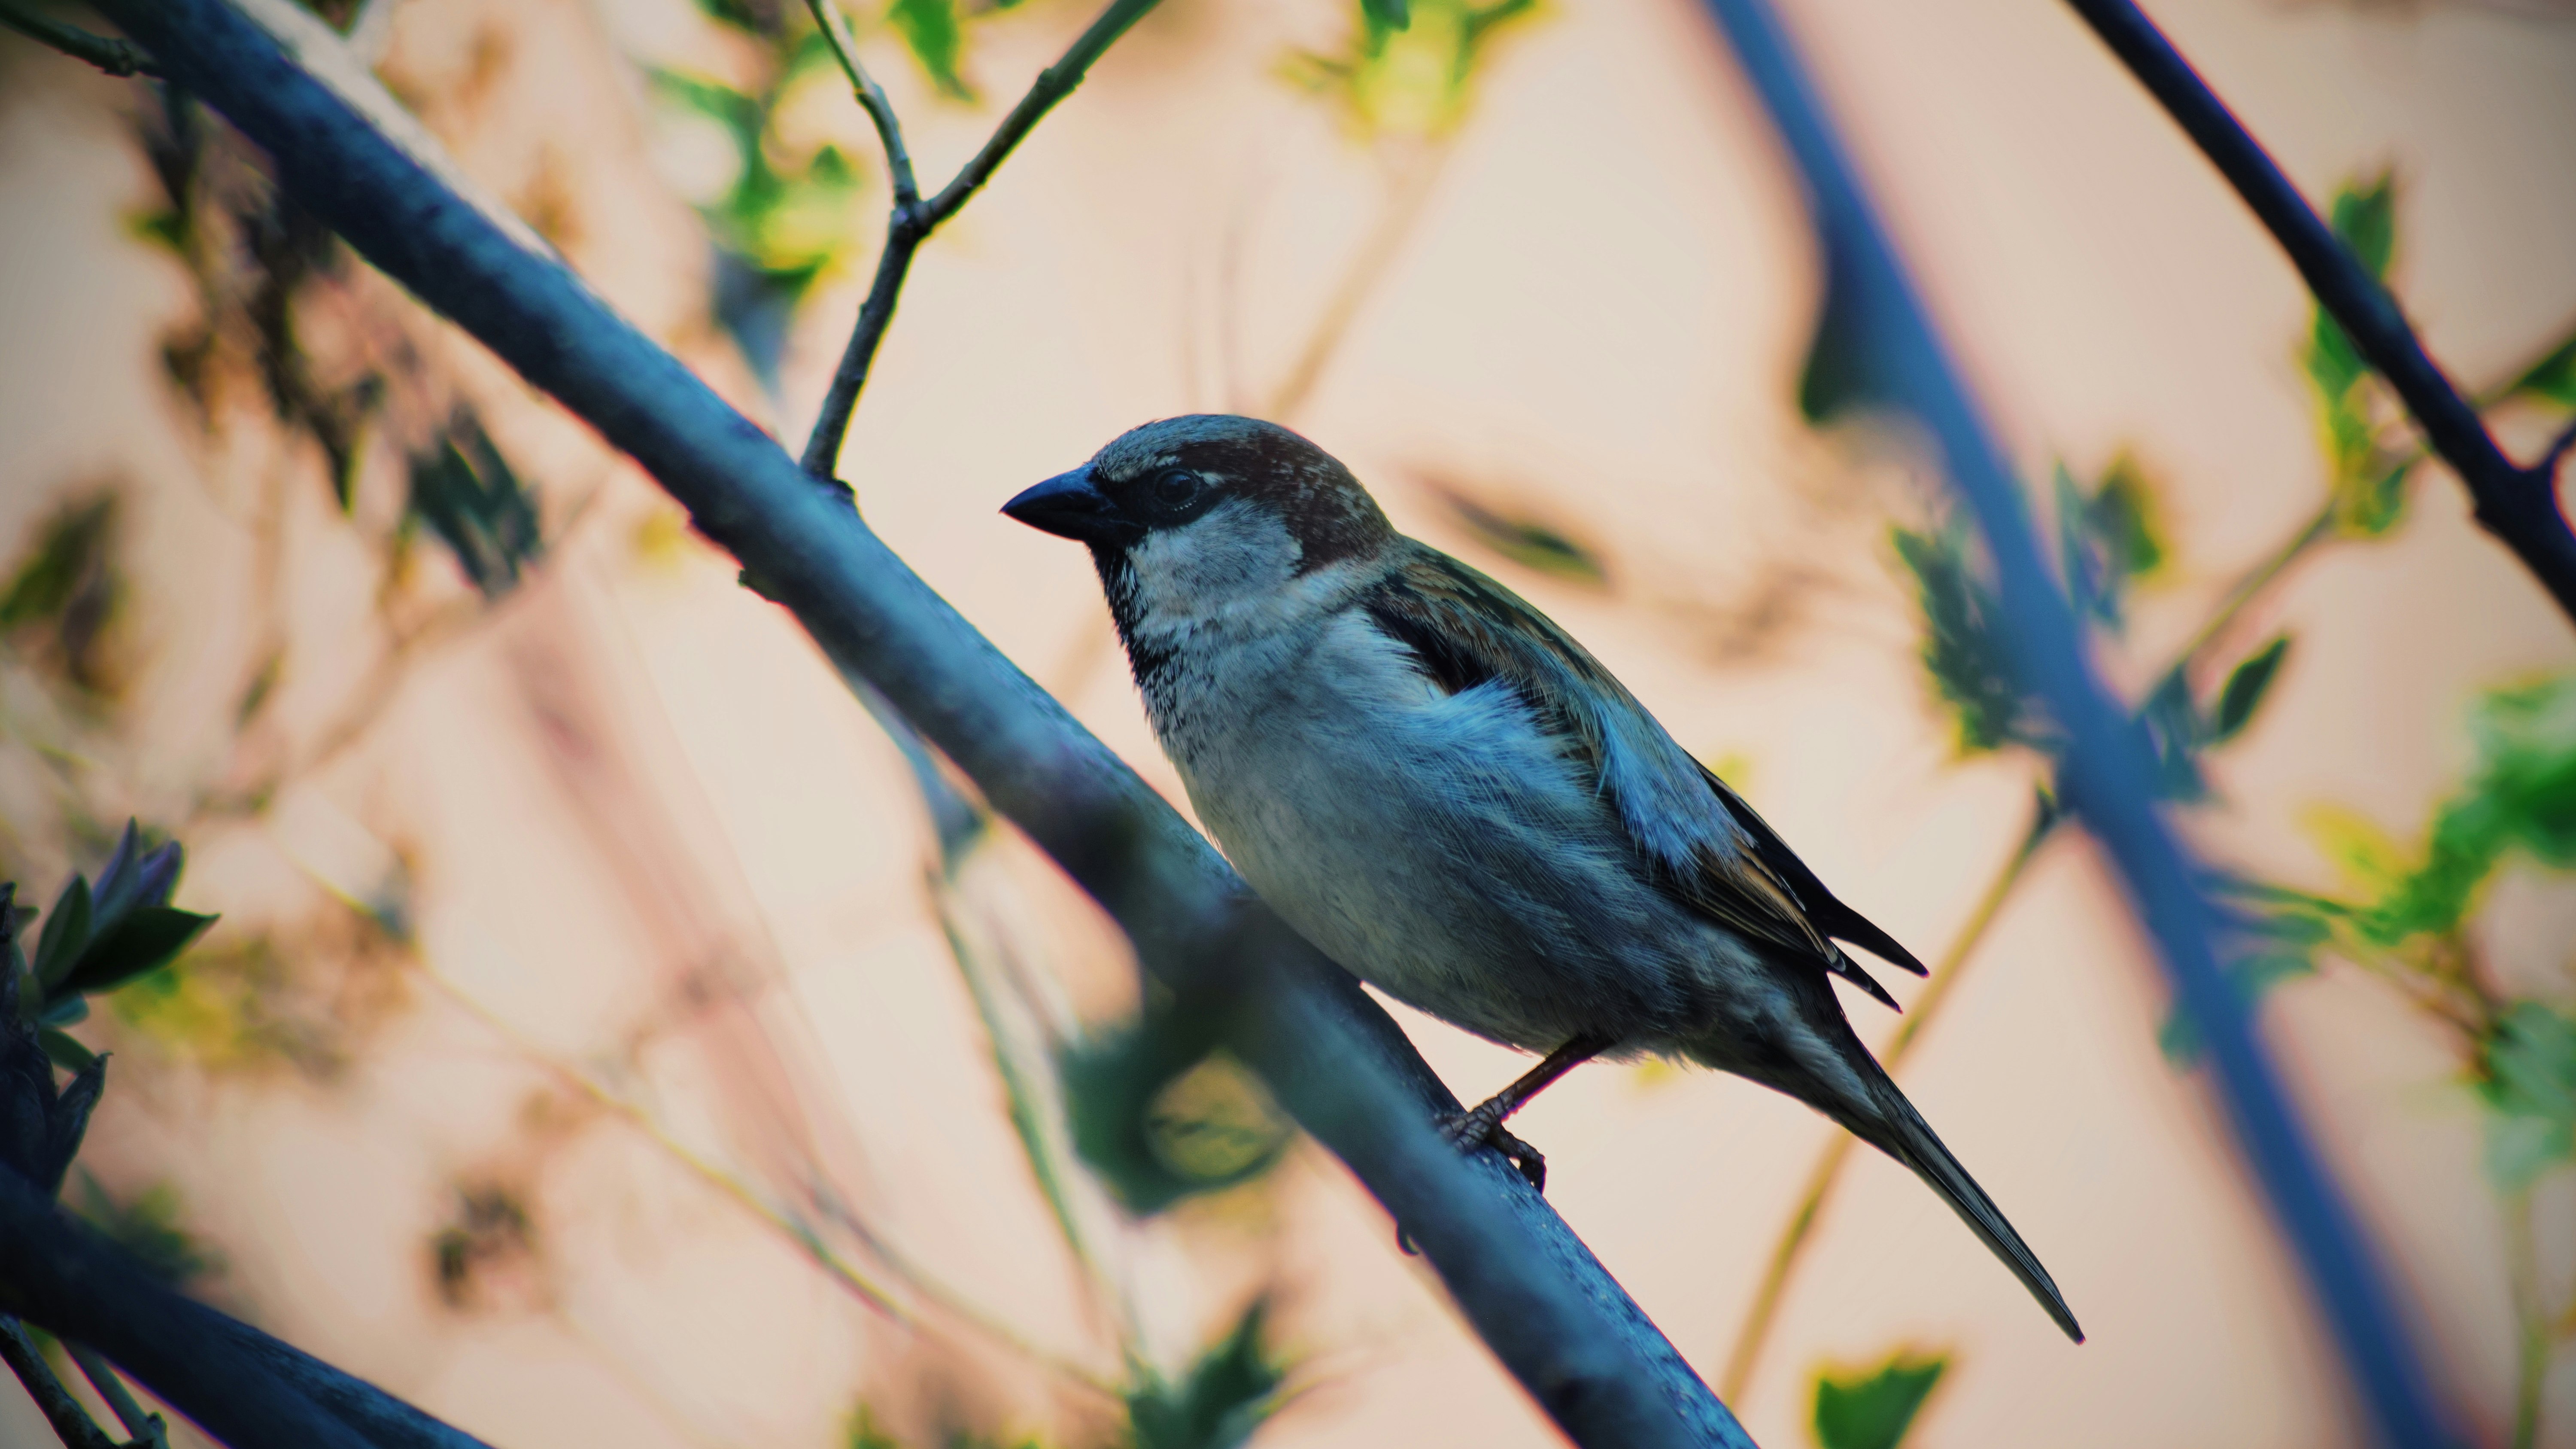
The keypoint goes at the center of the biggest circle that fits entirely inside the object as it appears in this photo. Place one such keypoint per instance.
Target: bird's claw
(1468, 1131)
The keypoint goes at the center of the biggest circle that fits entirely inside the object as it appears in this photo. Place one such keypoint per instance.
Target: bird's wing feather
(1712, 852)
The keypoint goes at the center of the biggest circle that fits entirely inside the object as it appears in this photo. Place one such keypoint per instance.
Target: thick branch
(116, 57)
(912, 221)
(2518, 505)
(1556, 1320)
(2107, 771)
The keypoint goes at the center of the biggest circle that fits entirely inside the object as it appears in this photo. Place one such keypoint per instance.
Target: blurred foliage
(467, 494)
(2108, 537)
(259, 1003)
(488, 1233)
(2405, 914)
(1159, 1118)
(147, 1225)
(1218, 1403)
(2552, 378)
(1225, 1395)
(1409, 69)
(932, 31)
(1963, 649)
(788, 211)
(1526, 541)
(1874, 1409)
(63, 601)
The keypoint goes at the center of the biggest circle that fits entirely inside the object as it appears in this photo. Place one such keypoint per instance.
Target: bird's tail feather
(1900, 1132)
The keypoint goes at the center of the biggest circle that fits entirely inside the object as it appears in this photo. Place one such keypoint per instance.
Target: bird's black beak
(1069, 505)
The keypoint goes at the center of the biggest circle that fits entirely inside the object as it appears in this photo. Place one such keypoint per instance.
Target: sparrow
(1442, 791)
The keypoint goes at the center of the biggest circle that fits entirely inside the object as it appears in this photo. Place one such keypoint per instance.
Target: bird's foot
(1483, 1127)
(1468, 1131)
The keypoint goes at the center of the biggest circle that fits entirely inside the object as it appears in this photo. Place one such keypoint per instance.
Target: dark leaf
(1874, 1410)
(1225, 1397)
(930, 29)
(65, 1050)
(1159, 1119)
(2245, 689)
(1386, 14)
(69, 1009)
(2365, 219)
(1526, 541)
(2175, 732)
(1846, 367)
(467, 494)
(66, 933)
(148, 938)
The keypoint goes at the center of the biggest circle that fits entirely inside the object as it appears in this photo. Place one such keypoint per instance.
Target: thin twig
(147, 1428)
(2518, 505)
(912, 221)
(116, 57)
(71, 1422)
(872, 99)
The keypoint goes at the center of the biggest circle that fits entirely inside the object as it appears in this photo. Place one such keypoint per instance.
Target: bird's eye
(1175, 487)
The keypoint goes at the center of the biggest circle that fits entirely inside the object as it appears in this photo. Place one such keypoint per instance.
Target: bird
(1438, 788)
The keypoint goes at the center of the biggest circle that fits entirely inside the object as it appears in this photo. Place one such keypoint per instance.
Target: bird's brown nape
(1324, 507)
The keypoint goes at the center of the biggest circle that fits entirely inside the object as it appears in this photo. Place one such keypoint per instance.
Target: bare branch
(2106, 772)
(912, 221)
(1557, 1321)
(2518, 505)
(872, 99)
(148, 1430)
(71, 1423)
(116, 57)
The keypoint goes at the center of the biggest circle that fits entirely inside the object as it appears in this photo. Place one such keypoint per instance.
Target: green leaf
(2529, 1085)
(65, 1050)
(145, 939)
(66, 933)
(2364, 218)
(930, 29)
(148, 1227)
(2526, 743)
(1845, 367)
(1224, 1398)
(1387, 14)
(1873, 1410)
(2552, 377)
(2176, 731)
(2247, 685)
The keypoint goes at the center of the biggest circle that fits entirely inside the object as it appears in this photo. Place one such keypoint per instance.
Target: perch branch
(2519, 505)
(2106, 771)
(1557, 1321)
(116, 57)
(71, 1423)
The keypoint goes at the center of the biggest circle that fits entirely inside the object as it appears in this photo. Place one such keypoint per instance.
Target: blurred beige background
(645, 840)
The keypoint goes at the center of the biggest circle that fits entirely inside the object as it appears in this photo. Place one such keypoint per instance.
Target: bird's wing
(1711, 851)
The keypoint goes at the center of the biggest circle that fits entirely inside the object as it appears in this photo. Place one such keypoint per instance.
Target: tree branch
(1557, 1321)
(2107, 770)
(2518, 505)
(71, 1423)
(116, 57)
(148, 1430)
(912, 220)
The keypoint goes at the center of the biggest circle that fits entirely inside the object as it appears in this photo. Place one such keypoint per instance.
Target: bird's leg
(1482, 1125)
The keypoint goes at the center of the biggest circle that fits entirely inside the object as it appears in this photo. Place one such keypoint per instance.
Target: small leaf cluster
(1875, 1408)
(2368, 477)
(1160, 1115)
(100, 936)
(466, 493)
(1409, 66)
(2406, 911)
